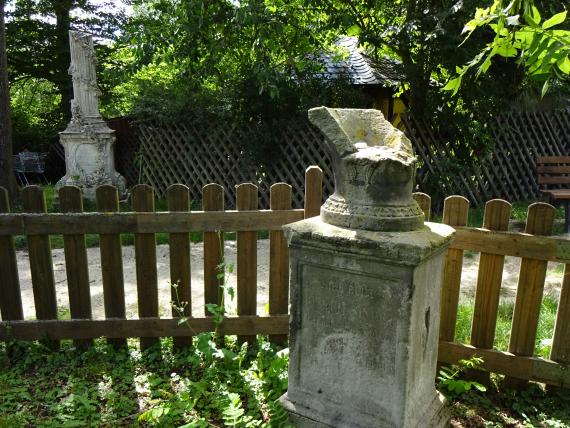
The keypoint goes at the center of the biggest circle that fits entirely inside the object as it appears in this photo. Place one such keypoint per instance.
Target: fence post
(212, 200)
(280, 199)
(313, 191)
(107, 199)
(10, 296)
(179, 244)
(560, 351)
(145, 261)
(246, 200)
(529, 290)
(489, 279)
(76, 264)
(424, 201)
(41, 264)
(455, 212)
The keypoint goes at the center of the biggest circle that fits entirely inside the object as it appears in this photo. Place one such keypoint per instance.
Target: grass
(502, 333)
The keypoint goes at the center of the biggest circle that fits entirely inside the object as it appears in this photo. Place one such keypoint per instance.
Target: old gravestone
(87, 140)
(365, 287)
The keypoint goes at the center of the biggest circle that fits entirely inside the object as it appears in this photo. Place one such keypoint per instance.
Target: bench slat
(553, 159)
(554, 180)
(553, 169)
(561, 194)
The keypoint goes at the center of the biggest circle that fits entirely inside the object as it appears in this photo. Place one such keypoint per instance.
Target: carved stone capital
(374, 169)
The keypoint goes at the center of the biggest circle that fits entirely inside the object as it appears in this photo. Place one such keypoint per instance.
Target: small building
(379, 79)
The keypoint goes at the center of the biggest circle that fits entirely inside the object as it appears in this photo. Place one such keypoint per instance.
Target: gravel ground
(469, 278)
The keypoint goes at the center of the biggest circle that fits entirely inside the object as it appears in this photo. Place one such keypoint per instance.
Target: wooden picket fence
(493, 241)
(144, 222)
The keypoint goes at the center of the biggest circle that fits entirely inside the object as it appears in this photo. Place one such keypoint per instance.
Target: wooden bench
(554, 180)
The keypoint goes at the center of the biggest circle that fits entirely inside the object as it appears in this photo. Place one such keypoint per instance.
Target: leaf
(545, 88)
(506, 50)
(453, 85)
(564, 65)
(479, 387)
(559, 18)
(533, 17)
(353, 31)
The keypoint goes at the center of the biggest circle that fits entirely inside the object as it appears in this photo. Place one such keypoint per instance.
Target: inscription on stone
(347, 335)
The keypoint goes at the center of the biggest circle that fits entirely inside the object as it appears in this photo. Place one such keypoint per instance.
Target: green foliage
(36, 119)
(529, 407)
(449, 380)
(264, 66)
(542, 46)
(105, 387)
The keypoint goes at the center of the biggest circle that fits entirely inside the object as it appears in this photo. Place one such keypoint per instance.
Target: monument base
(364, 326)
(89, 160)
(436, 416)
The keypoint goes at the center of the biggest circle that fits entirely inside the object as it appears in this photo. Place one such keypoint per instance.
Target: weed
(449, 380)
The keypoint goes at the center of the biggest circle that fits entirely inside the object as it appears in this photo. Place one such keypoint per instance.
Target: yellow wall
(383, 104)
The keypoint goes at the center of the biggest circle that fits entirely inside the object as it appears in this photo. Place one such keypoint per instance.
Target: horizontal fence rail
(146, 222)
(534, 246)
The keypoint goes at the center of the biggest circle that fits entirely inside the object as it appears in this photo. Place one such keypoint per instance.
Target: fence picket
(10, 296)
(455, 212)
(560, 350)
(313, 191)
(280, 199)
(76, 265)
(529, 289)
(489, 279)
(424, 201)
(178, 200)
(145, 261)
(246, 200)
(107, 199)
(212, 200)
(41, 264)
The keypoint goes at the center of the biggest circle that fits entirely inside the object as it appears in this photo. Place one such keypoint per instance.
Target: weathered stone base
(88, 188)
(436, 416)
(89, 160)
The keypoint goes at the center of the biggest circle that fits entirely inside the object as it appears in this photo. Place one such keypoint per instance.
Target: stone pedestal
(90, 161)
(364, 326)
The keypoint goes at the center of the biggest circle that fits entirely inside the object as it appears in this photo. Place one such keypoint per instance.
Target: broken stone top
(85, 105)
(374, 169)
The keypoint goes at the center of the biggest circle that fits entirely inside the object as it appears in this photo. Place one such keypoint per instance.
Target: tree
(541, 47)
(38, 39)
(247, 59)
(6, 167)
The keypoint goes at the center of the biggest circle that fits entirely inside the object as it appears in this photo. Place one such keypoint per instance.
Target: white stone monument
(87, 140)
(365, 288)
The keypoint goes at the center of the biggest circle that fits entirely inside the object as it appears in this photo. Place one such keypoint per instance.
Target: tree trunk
(7, 178)
(63, 81)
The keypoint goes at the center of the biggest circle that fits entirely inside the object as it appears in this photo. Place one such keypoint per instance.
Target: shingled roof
(359, 68)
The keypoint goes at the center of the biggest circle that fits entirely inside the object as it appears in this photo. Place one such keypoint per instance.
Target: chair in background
(26, 163)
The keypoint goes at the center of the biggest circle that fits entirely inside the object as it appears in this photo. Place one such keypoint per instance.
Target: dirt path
(510, 276)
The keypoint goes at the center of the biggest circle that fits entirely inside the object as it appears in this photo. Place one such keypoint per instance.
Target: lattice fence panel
(508, 172)
(198, 153)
